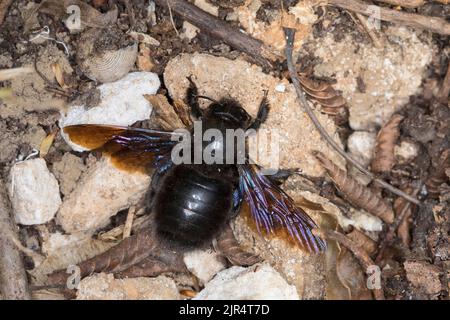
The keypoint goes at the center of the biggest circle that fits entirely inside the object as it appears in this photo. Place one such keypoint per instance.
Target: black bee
(193, 202)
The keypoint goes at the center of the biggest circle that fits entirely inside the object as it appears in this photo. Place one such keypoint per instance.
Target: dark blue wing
(130, 149)
(273, 210)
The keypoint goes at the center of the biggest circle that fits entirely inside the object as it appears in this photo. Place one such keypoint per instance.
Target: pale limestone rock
(204, 264)
(101, 192)
(360, 145)
(104, 287)
(64, 250)
(34, 192)
(219, 77)
(406, 151)
(122, 103)
(391, 74)
(68, 170)
(259, 282)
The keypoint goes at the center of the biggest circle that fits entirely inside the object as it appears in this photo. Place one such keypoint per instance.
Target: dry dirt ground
(402, 76)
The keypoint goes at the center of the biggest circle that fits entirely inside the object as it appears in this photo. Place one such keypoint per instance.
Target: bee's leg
(282, 175)
(192, 99)
(227, 245)
(156, 178)
(263, 112)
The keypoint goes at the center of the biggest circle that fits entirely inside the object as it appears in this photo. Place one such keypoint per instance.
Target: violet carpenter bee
(192, 203)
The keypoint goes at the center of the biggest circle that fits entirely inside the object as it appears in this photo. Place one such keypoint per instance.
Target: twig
(129, 222)
(394, 226)
(374, 35)
(171, 19)
(13, 279)
(222, 30)
(444, 90)
(404, 3)
(434, 24)
(4, 5)
(360, 254)
(290, 33)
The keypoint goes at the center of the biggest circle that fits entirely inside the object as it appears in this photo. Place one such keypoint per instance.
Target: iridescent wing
(274, 211)
(130, 149)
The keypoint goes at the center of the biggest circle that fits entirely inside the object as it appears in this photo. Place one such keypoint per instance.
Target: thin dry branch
(4, 5)
(13, 278)
(444, 90)
(222, 30)
(359, 253)
(373, 34)
(290, 34)
(433, 24)
(404, 3)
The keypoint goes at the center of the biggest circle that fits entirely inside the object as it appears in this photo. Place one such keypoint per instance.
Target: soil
(416, 271)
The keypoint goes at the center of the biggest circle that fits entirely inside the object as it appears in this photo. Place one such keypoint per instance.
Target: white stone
(101, 192)
(104, 287)
(390, 75)
(360, 144)
(204, 264)
(406, 151)
(122, 103)
(259, 282)
(34, 192)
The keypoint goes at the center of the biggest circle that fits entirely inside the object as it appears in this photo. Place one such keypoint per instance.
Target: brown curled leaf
(119, 258)
(383, 159)
(369, 245)
(355, 192)
(153, 267)
(164, 115)
(331, 101)
(228, 246)
(438, 176)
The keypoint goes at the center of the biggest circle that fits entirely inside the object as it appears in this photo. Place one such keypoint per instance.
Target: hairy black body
(193, 202)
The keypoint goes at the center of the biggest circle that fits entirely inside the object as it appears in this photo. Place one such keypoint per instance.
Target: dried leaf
(59, 75)
(119, 258)
(188, 293)
(404, 227)
(144, 61)
(384, 159)
(438, 175)
(164, 114)
(331, 101)
(352, 276)
(364, 241)
(355, 192)
(47, 143)
(228, 246)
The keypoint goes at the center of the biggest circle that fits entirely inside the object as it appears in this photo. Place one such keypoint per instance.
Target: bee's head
(229, 111)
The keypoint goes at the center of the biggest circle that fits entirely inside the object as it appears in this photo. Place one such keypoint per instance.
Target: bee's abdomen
(190, 207)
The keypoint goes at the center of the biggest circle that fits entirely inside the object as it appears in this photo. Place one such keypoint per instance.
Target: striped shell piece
(111, 65)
